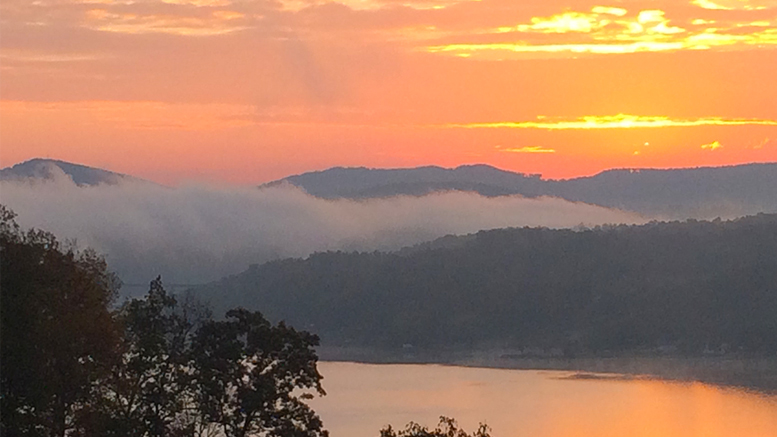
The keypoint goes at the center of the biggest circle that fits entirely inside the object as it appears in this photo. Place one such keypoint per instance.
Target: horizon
(473, 164)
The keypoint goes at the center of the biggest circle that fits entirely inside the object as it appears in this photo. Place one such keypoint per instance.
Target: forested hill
(679, 286)
(709, 192)
(51, 169)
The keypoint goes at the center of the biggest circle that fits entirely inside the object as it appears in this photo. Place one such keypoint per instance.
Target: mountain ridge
(700, 192)
(528, 175)
(53, 169)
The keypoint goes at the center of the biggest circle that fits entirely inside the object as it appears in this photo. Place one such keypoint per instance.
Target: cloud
(707, 4)
(158, 115)
(634, 26)
(201, 233)
(216, 23)
(528, 149)
(618, 12)
(371, 5)
(715, 145)
(151, 115)
(606, 30)
(620, 121)
(765, 143)
(732, 5)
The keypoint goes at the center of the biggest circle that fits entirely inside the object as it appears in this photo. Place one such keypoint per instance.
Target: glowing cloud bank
(620, 121)
(608, 30)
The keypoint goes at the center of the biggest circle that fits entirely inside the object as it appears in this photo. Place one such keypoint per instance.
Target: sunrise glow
(249, 91)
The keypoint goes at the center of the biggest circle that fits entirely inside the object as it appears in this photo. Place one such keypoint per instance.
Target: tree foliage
(58, 334)
(248, 372)
(446, 428)
(72, 365)
(150, 392)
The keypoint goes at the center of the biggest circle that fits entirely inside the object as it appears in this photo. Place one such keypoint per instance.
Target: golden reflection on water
(362, 399)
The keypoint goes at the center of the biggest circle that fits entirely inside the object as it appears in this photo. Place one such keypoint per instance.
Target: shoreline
(754, 374)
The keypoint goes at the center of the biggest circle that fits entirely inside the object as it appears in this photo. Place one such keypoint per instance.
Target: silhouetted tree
(150, 391)
(155, 367)
(249, 374)
(446, 428)
(184, 374)
(58, 336)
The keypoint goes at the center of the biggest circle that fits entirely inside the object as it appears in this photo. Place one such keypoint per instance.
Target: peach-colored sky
(245, 91)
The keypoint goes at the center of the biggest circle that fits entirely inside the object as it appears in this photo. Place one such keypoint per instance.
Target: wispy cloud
(732, 5)
(216, 23)
(371, 5)
(51, 57)
(715, 145)
(142, 114)
(607, 30)
(620, 121)
(527, 149)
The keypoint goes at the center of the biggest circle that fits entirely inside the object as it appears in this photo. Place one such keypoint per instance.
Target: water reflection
(363, 398)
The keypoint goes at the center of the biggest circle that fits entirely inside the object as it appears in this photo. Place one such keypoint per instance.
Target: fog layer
(196, 234)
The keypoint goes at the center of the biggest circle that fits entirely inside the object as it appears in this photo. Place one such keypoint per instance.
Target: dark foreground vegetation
(75, 365)
(682, 288)
(446, 428)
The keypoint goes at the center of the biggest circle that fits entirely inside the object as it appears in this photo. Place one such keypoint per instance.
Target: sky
(247, 91)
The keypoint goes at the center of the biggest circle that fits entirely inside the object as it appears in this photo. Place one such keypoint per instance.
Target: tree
(183, 374)
(446, 428)
(248, 372)
(58, 336)
(150, 392)
(157, 366)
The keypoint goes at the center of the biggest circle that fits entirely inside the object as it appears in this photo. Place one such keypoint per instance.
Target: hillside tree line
(671, 287)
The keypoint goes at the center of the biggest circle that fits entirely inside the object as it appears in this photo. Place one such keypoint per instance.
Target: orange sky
(245, 91)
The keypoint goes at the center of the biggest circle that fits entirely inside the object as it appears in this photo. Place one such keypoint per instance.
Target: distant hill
(690, 287)
(51, 169)
(676, 193)
(361, 182)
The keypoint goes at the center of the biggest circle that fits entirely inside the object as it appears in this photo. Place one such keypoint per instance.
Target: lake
(363, 398)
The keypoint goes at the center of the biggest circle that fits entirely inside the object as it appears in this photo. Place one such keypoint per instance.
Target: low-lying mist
(196, 234)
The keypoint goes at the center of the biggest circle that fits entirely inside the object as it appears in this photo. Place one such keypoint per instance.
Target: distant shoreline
(757, 374)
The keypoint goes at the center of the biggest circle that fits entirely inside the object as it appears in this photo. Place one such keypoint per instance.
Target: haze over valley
(198, 233)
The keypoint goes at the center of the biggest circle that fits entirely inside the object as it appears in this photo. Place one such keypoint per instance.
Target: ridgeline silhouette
(686, 287)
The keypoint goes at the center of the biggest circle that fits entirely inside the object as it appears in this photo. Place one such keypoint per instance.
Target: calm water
(362, 398)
